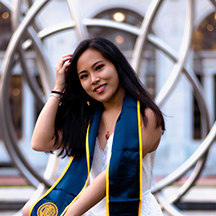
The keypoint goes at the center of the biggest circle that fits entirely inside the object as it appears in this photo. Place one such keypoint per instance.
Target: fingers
(63, 63)
(61, 68)
(66, 65)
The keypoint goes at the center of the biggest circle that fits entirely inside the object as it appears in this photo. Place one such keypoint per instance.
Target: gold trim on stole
(88, 165)
(69, 163)
(107, 189)
(140, 153)
(140, 156)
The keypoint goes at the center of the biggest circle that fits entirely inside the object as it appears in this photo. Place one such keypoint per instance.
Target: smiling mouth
(100, 88)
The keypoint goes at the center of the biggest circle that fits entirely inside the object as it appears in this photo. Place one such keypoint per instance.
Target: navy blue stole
(124, 172)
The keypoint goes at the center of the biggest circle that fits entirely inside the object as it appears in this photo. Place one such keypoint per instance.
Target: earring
(88, 103)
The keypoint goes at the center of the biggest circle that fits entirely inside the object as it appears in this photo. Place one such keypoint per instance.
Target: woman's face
(99, 77)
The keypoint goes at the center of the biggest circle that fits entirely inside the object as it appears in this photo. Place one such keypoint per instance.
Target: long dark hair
(74, 113)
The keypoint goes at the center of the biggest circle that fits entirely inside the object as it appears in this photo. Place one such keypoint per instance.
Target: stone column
(209, 71)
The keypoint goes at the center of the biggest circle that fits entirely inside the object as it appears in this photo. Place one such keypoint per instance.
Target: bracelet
(57, 92)
(52, 95)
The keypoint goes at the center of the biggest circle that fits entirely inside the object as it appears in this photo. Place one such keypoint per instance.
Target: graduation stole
(124, 171)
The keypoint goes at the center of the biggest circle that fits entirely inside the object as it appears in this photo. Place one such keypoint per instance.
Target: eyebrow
(91, 66)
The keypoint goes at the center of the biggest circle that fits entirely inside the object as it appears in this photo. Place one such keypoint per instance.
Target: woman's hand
(43, 138)
(61, 70)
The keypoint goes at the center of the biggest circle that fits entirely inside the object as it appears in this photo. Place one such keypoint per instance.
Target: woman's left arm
(151, 134)
(95, 192)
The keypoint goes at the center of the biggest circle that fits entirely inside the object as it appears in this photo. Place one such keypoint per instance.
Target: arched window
(125, 41)
(5, 29)
(204, 43)
(15, 89)
(205, 35)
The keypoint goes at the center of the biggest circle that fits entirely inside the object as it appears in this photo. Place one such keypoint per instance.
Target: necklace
(107, 135)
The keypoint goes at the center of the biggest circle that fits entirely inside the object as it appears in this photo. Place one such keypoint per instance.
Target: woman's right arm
(43, 138)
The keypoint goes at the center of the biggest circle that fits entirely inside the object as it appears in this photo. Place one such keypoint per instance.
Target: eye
(99, 67)
(83, 76)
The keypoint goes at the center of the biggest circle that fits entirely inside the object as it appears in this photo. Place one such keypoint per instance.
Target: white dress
(150, 207)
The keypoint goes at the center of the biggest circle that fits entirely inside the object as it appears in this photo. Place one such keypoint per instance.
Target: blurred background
(176, 63)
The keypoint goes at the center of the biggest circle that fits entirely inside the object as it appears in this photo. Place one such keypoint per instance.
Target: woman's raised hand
(61, 70)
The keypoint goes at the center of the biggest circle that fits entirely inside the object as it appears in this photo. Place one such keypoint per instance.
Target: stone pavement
(14, 192)
(187, 213)
(196, 194)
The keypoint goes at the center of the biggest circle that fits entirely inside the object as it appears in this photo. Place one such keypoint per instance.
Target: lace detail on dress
(150, 206)
(99, 164)
(101, 158)
(147, 167)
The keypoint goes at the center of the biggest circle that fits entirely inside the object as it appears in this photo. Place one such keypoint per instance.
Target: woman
(100, 93)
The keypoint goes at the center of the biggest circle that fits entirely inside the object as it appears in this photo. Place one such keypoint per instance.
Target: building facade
(184, 128)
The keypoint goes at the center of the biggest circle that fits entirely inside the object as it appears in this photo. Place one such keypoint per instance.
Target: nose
(94, 79)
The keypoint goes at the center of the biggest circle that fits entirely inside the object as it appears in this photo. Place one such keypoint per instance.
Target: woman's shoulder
(149, 112)
(151, 132)
(151, 117)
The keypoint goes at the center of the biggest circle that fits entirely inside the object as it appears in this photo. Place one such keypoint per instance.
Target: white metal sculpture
(80, 25)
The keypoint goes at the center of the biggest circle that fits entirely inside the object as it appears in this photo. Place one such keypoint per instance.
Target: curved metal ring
(172, 177)
(6, 124)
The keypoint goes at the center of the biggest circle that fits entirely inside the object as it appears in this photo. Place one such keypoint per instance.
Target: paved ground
(15, 189)
(196, 194)
(186, 213)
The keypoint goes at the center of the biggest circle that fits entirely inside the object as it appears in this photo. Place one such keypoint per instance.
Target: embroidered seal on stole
(47, 209)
